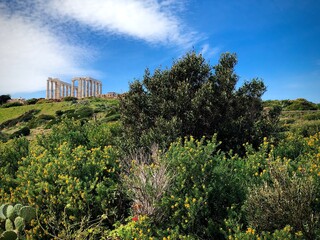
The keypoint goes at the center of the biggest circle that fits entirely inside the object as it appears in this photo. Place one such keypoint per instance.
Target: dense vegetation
(196, 99)
(183, 155)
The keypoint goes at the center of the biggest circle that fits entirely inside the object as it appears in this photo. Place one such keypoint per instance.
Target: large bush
(70, 187)
(194, 98)
(4, 98)
(284, 200)
(32, 101)
(11, 154)
(184, 192)
(76, 133)
(11, 104)
(25, 131)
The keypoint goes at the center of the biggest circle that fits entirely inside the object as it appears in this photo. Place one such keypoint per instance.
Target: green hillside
(35, 118)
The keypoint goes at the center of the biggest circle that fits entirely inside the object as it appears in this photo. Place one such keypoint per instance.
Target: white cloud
(150, 20)
(33, 47)
(208, 51)
(30, 53)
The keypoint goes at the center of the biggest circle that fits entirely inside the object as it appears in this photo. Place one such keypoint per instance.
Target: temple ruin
(81, 87)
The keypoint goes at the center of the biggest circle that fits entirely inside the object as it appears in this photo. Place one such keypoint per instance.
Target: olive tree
(194, 98)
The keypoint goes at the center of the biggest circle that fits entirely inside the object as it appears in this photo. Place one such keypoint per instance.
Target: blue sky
(115, 40)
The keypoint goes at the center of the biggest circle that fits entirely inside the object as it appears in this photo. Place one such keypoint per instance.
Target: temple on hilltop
(81, 87)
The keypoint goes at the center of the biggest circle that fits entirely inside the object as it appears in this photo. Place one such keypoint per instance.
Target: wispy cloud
(149, 20)
(209, 51)
(30, 53)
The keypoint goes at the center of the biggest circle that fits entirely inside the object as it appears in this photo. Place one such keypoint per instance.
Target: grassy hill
(299, 116)
(36, 118)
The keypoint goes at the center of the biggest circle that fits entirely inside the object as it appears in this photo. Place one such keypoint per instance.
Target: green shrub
(11, 153)
(4, 98)
(4, 137)
(75, 133)
(112, 118)
(102, 134)
(11, 104)
(42, 119)
(69, 131)
(293, 147)
(285, 200)
(32, 101)
(312, 116)
(70, 186)
(46, 117)
(204, 185)
(67, 113)
(42, 100)
(306, 128)
(70, 99)
(25, 131)
(198, 185)
(59, 113)
(288, 121)
(84, 112)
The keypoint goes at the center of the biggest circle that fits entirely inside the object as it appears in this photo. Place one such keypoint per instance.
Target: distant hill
(299, 104)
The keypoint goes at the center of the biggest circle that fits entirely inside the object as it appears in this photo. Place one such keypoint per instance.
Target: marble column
(72, 88)
(91, 86)
(87, 90)
(51, 89)
(47, 92)
(63, 90)
(80, 88)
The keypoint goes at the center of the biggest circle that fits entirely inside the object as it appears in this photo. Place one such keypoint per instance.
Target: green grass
(52, 107)
(45, 108)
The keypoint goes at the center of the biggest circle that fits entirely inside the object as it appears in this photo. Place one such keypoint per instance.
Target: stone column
(63, 90)
(80, 88)
(50, 89)
(87, 89)
(91, 86)
(72, 88)
(54, 90)
(47, 92)
(83, 88)
(100, 89)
